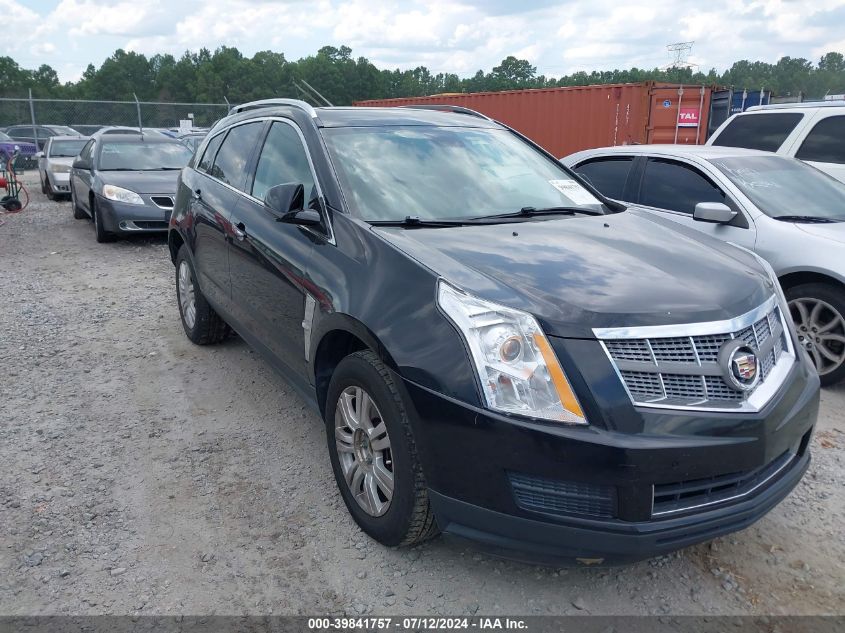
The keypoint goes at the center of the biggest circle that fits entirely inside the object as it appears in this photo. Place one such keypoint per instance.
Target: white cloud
(447, 36)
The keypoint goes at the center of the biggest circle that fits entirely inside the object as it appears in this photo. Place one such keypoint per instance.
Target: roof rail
(449, 108)
(799, 104)
(269, 103)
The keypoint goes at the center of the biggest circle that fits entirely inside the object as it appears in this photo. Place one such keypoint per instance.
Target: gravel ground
(143, 474)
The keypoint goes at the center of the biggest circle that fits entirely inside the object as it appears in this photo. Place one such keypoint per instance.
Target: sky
(557, 36)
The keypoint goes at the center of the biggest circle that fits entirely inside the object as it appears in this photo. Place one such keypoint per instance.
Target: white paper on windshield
(575, 192)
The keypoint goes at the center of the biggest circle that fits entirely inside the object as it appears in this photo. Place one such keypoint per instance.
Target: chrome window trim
(758, 398)
(329, 234)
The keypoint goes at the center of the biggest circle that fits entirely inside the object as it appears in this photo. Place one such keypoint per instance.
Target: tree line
(209, 77)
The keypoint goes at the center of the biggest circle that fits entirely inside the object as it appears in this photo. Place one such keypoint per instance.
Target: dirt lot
(143, 474)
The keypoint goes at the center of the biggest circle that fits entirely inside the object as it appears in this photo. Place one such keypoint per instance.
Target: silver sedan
(54, 163)
(786, 211)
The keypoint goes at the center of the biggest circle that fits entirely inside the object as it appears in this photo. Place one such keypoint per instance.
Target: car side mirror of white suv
(715, 212)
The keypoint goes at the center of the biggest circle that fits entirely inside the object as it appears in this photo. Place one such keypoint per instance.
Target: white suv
(811, 131)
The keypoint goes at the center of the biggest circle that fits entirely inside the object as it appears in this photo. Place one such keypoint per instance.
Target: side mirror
(713, 212)
(38, 155)
(285, 198)
(80, 163)
(288, 200)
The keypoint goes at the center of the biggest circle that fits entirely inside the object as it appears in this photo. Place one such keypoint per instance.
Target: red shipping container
(567, 120)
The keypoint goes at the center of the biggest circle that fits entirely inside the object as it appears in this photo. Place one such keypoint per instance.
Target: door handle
(196, 194)
(239, 231)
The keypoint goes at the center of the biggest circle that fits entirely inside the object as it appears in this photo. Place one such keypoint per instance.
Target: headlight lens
(59, 168)
(516, 365)
(119, 194)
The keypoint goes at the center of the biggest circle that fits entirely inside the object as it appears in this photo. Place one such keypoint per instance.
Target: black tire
(208, 327)
(409, 518)
(835, 299)
(100, 232)
(47, 188)
(78, 212)
(43, 186)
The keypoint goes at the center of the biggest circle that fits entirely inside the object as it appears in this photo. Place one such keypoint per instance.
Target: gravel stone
(107, 399)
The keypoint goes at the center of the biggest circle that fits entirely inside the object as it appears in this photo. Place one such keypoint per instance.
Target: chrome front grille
(679, 366)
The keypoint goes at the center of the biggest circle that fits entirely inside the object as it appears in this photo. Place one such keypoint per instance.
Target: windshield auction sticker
(575, 192)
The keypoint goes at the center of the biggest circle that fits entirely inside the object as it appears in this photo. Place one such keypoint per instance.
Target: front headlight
(517, 368)
(59, 168)
(119, 194)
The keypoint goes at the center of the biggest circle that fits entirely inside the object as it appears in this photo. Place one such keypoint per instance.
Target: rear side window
(765, 132)
(608, 175)
(236, 150)
(676, 187)
(826, 142)
(210, 153)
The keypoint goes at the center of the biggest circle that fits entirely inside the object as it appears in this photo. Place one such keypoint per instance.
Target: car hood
(142, 181)
(60, 160)
(834, 231)
(579, 273)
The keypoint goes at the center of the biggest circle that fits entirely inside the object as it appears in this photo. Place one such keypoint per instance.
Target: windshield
(67, 149)
(441, 173)
(785, 186)
(143, 156)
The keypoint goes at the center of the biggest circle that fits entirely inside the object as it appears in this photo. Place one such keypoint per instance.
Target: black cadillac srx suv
(498, 351)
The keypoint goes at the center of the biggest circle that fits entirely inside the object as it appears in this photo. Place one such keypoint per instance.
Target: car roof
(351, 116)
(81, 137)
(396, 116)
(135, 137)
(690, 151)
(803, 105)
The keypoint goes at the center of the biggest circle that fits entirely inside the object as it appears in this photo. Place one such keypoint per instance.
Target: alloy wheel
(821, 331)
(187, 301)
(363, 449)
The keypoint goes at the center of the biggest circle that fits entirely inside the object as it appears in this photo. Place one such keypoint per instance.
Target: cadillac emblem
(740, 365)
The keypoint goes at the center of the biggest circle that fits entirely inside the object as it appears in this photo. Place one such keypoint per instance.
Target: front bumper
(119, 217)
(59, 181)
(566, 495)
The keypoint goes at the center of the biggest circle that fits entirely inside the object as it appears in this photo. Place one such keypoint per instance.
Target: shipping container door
(720, 109)
(678, 114)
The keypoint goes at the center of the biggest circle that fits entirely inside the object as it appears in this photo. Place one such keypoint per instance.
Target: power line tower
(680, 52)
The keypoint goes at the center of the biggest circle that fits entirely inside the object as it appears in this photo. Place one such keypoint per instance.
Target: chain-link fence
(86, 115)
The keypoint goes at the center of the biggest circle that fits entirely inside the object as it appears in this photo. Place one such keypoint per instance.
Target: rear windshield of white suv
(766, 132)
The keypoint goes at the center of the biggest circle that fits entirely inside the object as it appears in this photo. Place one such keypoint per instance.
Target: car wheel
(99, 230)
(373, 453)
(818, 311)
(201, 323)
(78, 213)
(43, 187)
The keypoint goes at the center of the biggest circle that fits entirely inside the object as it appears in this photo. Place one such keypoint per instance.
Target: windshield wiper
(413, 221)
(806, 218)
(529, 212)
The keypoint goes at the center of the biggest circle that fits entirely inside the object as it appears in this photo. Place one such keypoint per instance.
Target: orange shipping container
(567, 120)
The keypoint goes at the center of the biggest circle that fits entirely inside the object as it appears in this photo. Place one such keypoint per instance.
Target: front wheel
(374, 455)
(818, 311)
(99, 229)
(78, 213)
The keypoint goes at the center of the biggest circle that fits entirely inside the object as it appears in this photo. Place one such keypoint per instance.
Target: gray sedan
(54, 164)
(127, 182)
(788, 212)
